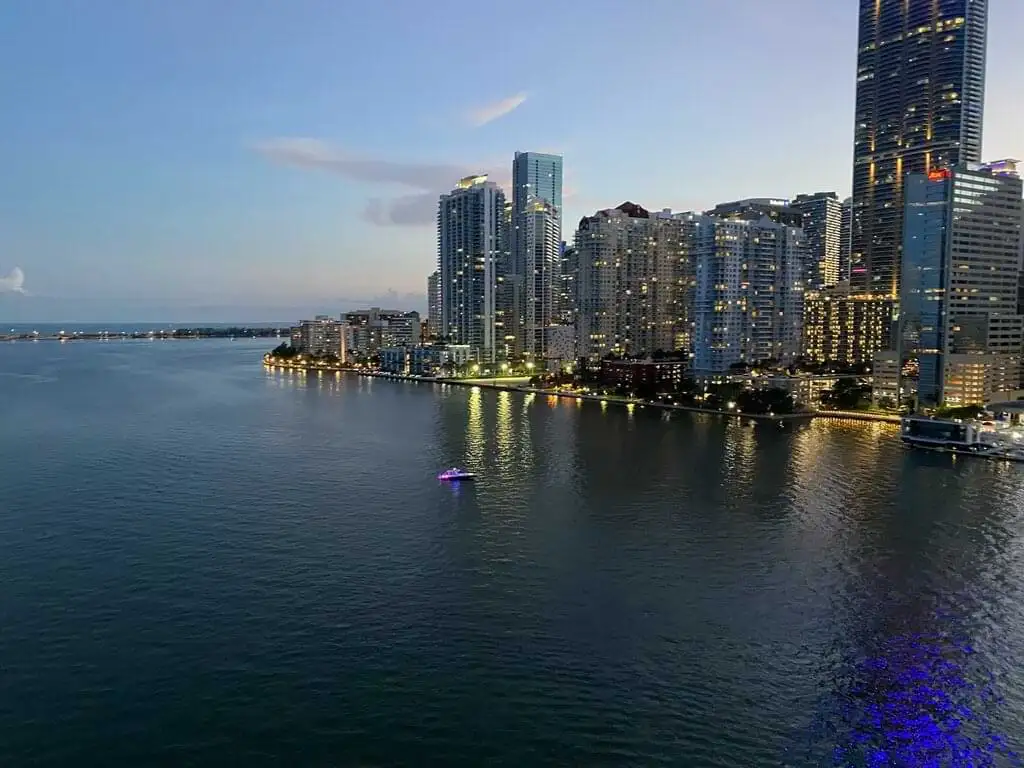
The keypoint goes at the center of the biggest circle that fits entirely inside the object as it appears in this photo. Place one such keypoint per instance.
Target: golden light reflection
(475, 443)
(504, 432)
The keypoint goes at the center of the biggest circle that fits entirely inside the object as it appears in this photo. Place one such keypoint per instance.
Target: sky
(248, 160)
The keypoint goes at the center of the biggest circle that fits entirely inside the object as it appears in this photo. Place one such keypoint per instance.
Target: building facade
(535, 250)
(845, 239)
(845, 328)
(919, 106)
(470, 239)
(434, 305)
(539, 231)
(748, 292)
(633, 280)
(776, 209)
(960, 324)
(370, 330)
(822, 225)
(323, 335)
(570, 272)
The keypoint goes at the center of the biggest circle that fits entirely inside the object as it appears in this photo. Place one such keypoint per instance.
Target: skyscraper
(961, 262)
(633, 282)
(470, 220)
(535, 240)
(822, 225)
(845, 239)
(536, 176)
(920, 94)
(748, 292)
(434, 305)
(539, 232)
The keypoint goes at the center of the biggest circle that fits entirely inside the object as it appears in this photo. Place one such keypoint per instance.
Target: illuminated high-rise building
(535, 246)
(822, 225)
(846, 329)
(434, 305)
(633, 282)
(845, 239)
(920, 96)
(470, 241)
(961, 262)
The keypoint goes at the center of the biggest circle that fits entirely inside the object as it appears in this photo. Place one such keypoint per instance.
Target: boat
(456, 474)
(972, 438)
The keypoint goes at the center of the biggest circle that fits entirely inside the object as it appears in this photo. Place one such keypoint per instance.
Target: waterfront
(208, 562)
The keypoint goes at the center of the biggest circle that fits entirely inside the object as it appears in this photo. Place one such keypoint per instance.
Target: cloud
(491, 112)
(408, 210)
(319, 155)
(14, 282)
(428, 180)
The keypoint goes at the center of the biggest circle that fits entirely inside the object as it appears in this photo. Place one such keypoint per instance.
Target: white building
(469, 244)
(323, 335)
(633, 279)
(748, 292)
(375, 328)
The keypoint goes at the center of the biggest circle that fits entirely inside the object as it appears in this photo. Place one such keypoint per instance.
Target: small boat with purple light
(456, 474)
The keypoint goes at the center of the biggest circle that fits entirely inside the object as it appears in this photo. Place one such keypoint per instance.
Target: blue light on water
(922, 702)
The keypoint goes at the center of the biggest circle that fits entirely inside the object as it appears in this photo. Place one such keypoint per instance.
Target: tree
(847, 394)
(284, 351)
(772, 400)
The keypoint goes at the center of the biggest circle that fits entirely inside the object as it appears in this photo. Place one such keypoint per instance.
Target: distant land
(16, 309)
(98, 331)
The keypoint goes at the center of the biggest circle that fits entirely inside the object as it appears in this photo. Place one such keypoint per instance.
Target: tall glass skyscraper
(534, 279)
(536, 176)
(920, 95)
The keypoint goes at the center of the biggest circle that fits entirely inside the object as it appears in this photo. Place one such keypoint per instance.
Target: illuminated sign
(939, 175)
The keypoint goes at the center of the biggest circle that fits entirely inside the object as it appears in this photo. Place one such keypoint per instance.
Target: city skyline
(155, 185)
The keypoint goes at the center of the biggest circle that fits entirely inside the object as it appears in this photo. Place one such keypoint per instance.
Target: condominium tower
(434, 305)
(632, 282)
(470, 221)
(920, 94)
(822, 225)
(535, 244)
(748, 292)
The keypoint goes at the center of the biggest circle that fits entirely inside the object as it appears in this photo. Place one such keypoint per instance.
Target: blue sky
(253, 159)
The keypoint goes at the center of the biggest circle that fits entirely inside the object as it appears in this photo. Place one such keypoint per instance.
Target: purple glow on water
(919, 701)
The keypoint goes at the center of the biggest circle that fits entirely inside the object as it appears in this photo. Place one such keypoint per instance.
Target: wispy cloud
(428, 180)
(14, 282)
(491, 112)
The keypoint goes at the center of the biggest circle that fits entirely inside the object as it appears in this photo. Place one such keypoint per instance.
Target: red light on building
(939, 175)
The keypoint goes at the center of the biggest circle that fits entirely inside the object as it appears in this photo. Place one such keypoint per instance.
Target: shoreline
(505, 385)
(171, 335)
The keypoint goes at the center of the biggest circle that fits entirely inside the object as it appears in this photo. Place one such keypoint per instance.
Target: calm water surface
(206, 563)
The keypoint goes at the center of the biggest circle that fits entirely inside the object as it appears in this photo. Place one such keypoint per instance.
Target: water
(206, 563)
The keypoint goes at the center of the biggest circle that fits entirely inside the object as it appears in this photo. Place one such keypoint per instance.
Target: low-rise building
(375, 328)
(885, 378)
(643, 374)
(432, 360)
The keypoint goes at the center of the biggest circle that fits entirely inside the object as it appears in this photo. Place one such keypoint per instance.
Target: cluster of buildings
(916, 277)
